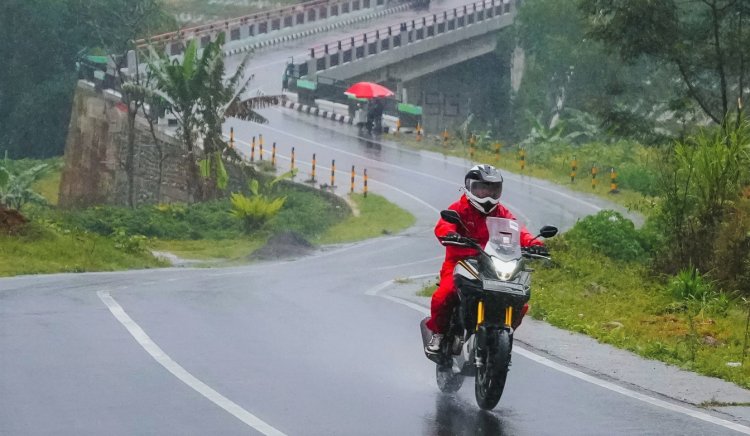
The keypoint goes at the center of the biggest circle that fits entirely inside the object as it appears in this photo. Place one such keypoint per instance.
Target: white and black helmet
(484, 185)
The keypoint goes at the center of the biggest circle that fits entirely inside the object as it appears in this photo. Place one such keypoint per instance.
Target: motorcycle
(492, 289)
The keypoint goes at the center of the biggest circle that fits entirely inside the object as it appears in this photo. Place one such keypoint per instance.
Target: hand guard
(539, 250)
(451, 237)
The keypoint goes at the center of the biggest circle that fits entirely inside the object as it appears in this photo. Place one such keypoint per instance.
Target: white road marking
(416, 262)
(375, 291)
(518, 177)
(178, 371)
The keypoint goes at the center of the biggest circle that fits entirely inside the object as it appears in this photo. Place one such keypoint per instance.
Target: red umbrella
(368, 90)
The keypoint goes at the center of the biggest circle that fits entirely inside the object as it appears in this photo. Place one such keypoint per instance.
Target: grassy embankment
(109, 238)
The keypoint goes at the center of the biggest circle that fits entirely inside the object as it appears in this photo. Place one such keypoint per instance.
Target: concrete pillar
(312, 68)
(378, 42)
(132, 67)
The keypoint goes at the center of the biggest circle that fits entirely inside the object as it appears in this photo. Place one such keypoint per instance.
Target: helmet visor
(482, 189)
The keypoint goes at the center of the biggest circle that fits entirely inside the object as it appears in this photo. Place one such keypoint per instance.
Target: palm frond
(245, 110)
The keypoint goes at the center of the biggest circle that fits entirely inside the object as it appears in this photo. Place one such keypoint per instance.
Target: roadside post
(252, 150)
(573, 169)
(365, 182)
(594, 172)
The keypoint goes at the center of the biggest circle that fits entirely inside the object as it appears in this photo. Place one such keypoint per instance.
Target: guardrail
(259, 23)
(339, 52)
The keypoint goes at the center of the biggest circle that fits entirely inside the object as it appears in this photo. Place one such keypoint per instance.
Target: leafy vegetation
(377, 217)
(45, 247)
(38, 72)
(195, 89)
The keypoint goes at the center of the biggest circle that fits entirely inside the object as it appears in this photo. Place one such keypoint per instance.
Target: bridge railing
(343, 51)
(259, 23)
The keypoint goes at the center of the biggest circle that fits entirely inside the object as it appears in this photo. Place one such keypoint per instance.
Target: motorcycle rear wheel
(489, 383)
(448, 381)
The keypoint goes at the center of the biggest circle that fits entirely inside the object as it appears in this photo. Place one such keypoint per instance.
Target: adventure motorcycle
(492, 289)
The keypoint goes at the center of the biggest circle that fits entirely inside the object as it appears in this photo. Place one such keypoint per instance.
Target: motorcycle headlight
(504, 269)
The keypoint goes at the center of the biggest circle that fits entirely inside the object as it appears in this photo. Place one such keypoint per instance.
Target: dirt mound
(281, 246)
(11, 221)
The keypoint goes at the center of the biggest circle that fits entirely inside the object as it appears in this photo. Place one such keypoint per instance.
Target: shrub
(254, 212)
(609, 233)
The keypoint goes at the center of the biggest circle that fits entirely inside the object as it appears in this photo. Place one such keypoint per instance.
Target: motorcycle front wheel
(490, 380)
(448, 381)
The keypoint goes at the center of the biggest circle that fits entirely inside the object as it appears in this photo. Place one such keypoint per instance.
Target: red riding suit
(445, 297)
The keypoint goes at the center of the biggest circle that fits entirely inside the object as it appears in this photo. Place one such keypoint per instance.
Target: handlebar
(463, 241)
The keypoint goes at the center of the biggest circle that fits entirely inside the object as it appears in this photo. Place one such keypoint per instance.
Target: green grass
(49, 186)
(557, 171)
(427, 290)
(41, 249)
(203, 11)
(87, 240)
(377, 217)
(612, 302)
(206, 249)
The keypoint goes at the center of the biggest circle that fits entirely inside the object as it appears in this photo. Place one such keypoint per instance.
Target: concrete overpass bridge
(411, 58)
(416, 57)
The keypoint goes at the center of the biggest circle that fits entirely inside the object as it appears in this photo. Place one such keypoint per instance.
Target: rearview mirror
(451, 216)
(548, 231)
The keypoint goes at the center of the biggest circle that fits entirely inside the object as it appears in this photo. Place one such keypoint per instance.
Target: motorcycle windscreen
(505, 238)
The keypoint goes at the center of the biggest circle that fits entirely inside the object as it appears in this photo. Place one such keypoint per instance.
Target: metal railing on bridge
(258, 23)
(329, 55)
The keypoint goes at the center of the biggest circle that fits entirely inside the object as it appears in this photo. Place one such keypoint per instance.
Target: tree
(704, 41)
(117, 24)
(565, 69)
(39, 40)
(201, 97)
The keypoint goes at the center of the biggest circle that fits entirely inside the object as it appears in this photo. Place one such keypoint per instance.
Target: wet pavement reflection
(453, 417)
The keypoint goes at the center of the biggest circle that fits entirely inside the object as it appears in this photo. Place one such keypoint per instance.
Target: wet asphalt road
(297, 344)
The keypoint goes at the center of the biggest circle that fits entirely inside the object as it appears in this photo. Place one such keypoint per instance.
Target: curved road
(296, 347)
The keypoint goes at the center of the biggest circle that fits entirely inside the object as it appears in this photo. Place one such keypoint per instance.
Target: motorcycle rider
(483, 185)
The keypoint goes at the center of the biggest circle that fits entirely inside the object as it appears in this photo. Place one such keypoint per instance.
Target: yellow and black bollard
(446, 136)
(398, 126)
(365, 191)
(472, 144)
(312, 175)
(522, 158)
(252, 150)
(292, 167)
(351, 189)
(497, 151)
(613, 181)
(594, 172)
(231, 137)
(273, 155)
(573, 169)
(419, 132)
(333, 174)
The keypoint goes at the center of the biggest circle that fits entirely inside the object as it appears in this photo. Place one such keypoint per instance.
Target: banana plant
(200, 96)
(16, 189)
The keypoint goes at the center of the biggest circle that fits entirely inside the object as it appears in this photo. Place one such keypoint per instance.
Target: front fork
(485, 333)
